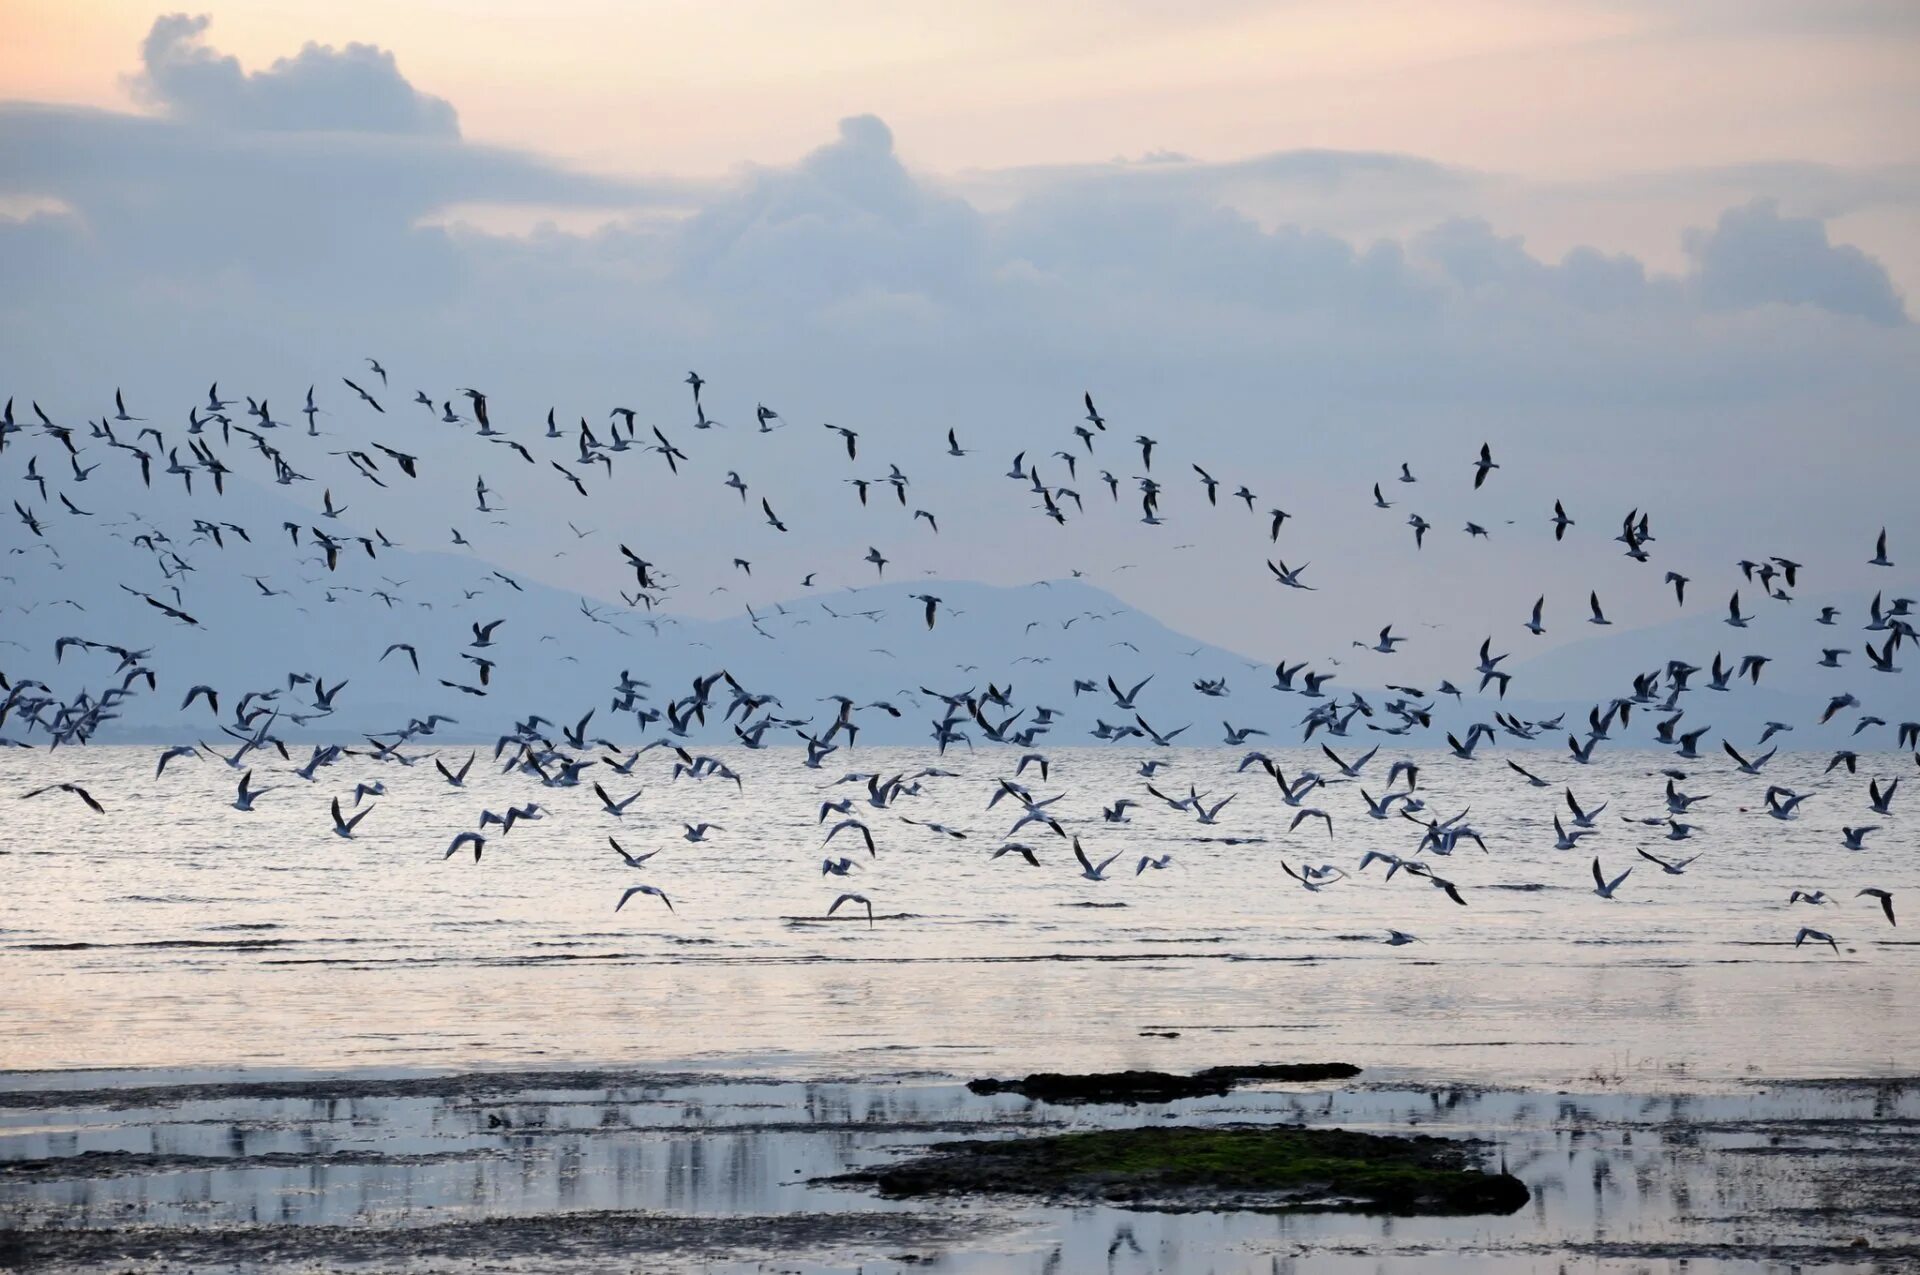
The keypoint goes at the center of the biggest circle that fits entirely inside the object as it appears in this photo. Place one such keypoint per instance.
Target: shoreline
(572, 1168)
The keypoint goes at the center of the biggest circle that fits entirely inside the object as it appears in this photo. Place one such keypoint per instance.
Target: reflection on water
(362, 976)
(178, 932)
(1752, 1180)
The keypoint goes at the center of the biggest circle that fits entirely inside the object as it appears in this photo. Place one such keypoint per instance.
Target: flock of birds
(50, 464)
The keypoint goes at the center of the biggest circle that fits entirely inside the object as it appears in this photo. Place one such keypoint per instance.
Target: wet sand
(590, 1170)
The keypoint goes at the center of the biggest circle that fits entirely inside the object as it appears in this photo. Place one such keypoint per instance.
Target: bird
(86, 797)
(1483, 466)
(243, 800)
(343, 827)
(1818, 936)
(1880, 558)
(861, 899)
(1603, 887)
(631, 860)
(1672, 867)
(653, 890)
(1090, 870)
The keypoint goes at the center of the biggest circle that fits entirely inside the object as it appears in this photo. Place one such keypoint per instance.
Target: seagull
(1314, 879)
(344, 827)
(617, 809)
(1603, 887)
(473, 839)
(866, 834)
(1818, 936)
(1886, 901)
(1672, 867)
(1311, 813)
(1088, 869)
(631, 860)
(854, 898)
(76, 790)
(654, 890)
(1565, 840)
(1583, 818)
(1880, 558)
(1881, 799)
(1483, 466)
(1164, 861)
(244, 800)
(457, 778)
(1528, 775)
(1747, 767)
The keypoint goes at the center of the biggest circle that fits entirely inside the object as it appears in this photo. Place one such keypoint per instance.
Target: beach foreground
(591, 1170)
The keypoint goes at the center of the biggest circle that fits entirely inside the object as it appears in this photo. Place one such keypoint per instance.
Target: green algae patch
(1190, 1168)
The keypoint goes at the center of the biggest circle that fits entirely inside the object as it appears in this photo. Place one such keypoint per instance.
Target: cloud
(315, 174)
(1756, 257)
(357, 89)
(848, 286)
(848, 218)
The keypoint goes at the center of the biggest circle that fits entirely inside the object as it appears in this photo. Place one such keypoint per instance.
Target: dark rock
(1155, 1086)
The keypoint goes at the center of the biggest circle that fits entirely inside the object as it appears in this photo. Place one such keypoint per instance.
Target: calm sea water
(177, 932)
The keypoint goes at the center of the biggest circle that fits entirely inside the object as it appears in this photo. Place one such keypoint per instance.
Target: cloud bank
(275, 225)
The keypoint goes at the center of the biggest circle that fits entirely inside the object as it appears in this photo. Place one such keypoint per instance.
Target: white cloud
(356, 89)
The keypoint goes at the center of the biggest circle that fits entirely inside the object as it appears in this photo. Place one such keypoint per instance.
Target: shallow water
(1754, 1180)
(177, 932)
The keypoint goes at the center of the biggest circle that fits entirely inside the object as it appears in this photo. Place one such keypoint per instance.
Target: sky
(1663, 255)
